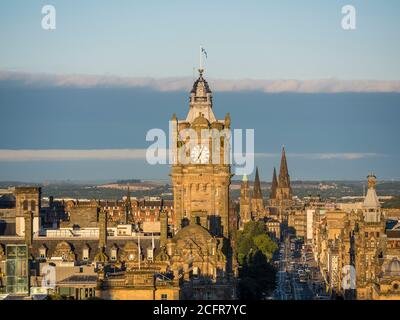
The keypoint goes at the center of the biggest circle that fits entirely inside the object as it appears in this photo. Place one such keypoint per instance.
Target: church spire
(284, 179)
(257, 186)
(274, 185)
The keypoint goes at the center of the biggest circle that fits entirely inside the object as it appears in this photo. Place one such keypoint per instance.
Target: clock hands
(201, 150)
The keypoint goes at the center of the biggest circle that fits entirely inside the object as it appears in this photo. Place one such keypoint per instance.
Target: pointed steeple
(284, 179)
(257, 194)
(274, 186)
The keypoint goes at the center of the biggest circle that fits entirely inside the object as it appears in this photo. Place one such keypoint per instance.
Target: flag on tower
(204, 51)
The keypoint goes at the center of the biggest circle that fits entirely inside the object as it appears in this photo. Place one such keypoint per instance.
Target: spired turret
(274, 186)
(257, 194)
(371, 204)
(257, 200)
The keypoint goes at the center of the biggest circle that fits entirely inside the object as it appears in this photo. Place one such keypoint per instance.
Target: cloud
(134, 154)
(68, 154)
(331, 85)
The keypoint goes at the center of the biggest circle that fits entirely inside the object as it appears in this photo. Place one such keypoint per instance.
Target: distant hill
(127, 181)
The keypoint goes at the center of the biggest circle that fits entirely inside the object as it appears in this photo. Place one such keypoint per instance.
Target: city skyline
(200, 150)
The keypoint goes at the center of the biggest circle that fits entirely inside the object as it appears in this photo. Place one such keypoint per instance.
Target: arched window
(25, 205)
(33, 205)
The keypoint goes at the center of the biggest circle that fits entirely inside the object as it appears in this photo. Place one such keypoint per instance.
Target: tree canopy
(255, 251)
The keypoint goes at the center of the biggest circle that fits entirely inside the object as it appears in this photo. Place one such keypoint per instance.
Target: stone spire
(257, 194)
(274, 186)
(284, 179)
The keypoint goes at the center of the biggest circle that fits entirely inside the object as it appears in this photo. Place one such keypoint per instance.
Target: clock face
(200, 154)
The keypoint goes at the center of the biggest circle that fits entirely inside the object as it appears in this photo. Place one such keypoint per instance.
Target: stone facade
(356, 252)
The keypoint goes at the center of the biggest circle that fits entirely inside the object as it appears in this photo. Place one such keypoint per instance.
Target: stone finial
(371, 181)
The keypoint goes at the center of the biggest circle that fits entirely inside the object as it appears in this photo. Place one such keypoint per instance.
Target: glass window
(164, 296)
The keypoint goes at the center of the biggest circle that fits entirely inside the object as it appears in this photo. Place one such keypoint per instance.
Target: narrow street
(298, 278)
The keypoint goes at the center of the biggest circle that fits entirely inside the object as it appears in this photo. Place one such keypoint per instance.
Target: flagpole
(200, 64)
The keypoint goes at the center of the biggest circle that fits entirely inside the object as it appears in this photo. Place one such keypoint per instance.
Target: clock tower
(201, 172)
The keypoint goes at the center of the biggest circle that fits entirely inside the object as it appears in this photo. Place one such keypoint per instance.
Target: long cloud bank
(331, 85)
(140, 154)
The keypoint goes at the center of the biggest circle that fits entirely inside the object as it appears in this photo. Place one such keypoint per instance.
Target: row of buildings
(357, 249)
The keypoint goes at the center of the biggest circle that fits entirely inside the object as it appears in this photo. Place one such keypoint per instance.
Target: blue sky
(244, 39)
(81, 86)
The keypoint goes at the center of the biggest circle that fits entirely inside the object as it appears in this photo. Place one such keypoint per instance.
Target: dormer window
(114, 254)
(85, 254)
(42, 253)
(150, 254)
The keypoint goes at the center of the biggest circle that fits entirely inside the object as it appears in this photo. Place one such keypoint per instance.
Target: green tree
(266, 245)
(255, 251)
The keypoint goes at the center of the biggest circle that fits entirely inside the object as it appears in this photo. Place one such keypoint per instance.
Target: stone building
(357, 251)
